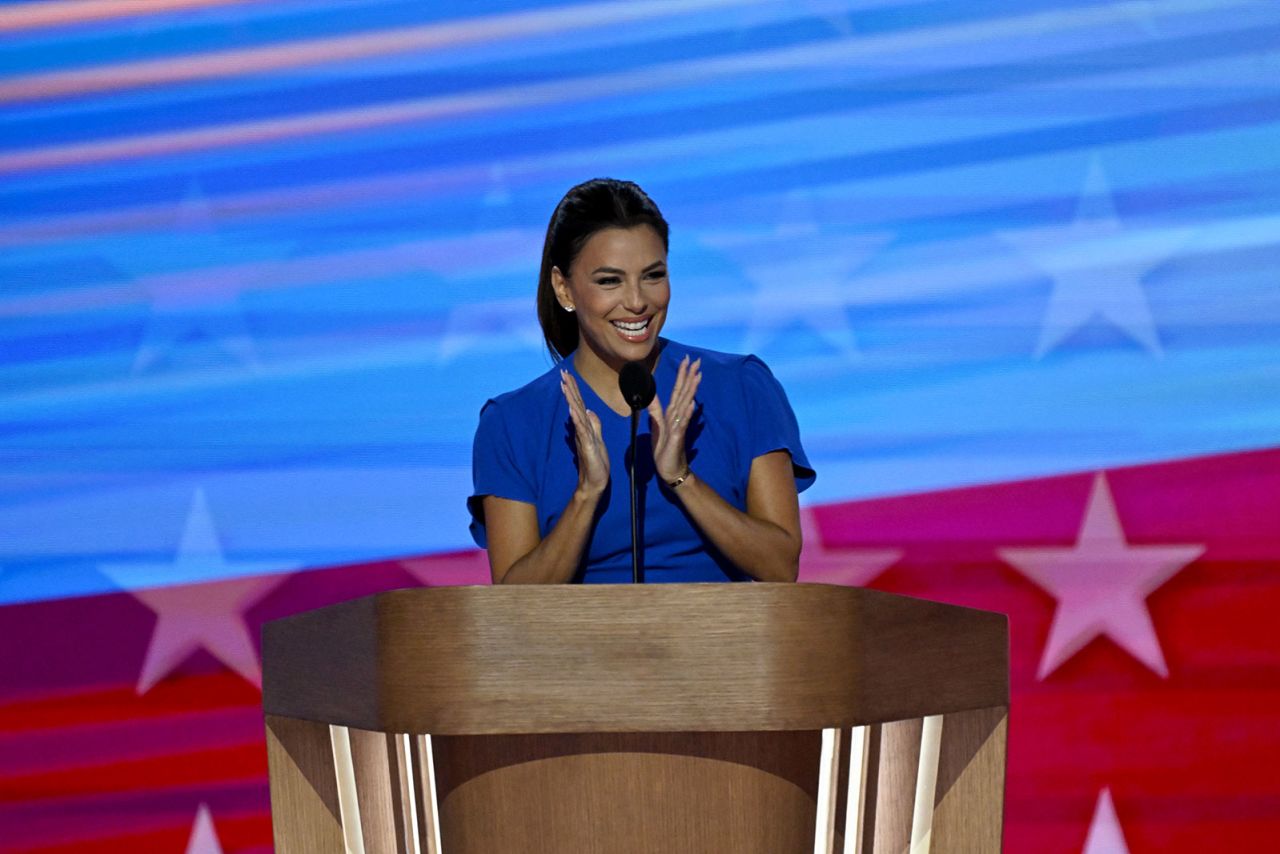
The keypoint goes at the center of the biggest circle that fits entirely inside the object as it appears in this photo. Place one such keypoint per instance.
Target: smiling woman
(718, 468)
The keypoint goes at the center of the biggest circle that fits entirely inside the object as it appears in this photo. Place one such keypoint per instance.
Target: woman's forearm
(555, 559)
(760, 548)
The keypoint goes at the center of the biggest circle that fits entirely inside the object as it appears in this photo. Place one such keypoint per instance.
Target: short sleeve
(771, 423)
(496, 468)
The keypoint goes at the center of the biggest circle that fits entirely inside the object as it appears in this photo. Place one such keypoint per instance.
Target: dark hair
(587, 208)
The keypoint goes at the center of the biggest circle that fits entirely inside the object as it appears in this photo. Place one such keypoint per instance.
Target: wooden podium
(670, 718)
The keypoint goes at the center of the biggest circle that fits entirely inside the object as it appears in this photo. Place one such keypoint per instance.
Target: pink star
(450, 570)
(203, 616)
(848, 567)
(197, 614)
(1105, 834)
(204, 839)
(1101, 584)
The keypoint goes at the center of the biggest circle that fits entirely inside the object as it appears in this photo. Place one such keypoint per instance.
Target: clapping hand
(668, 427)
(593, 457)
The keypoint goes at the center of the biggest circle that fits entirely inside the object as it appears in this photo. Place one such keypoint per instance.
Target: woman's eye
(609, 280)
(657, 274)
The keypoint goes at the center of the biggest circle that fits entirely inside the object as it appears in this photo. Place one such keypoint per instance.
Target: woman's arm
(517, 552)
(763, 542)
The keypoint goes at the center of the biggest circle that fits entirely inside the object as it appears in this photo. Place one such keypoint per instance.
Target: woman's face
(618, 290)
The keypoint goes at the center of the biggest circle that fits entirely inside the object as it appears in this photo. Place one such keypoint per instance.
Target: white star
(849, 567)
(450, 570)
(498, 193)
(1105, 834)
(1101, 584)
(1097, 267)
(200, 615)
(204, 839)
(801, 275)
(836, 16)
(1142, 13)
(192, 276)
(495, 325)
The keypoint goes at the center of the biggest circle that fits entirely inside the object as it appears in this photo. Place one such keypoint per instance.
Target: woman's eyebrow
(620, 272)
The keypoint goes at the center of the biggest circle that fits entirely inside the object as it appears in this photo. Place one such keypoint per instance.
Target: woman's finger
(655, 410)
(684, 389)
(578, 415)
(690, 401)
(682, 377)
(568, 397)
(691, 381)
(597, 433)
(574, 393)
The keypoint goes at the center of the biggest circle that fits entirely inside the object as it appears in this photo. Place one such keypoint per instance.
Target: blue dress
(524, 451)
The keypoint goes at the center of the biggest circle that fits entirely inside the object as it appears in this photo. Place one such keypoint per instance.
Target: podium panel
(720, 718)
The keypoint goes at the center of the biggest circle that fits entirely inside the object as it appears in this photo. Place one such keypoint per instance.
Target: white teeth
(634, 326)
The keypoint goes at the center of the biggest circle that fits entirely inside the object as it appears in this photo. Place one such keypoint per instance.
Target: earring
(568, 308)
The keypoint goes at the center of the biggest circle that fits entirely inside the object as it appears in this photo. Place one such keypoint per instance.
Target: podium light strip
(855, 802)
(430, 804)
(408, 792)
(926, 784)
(348, 801)
(828, 774)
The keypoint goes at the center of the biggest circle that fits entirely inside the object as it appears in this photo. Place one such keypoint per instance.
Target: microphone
(637, 385)
(638, 388)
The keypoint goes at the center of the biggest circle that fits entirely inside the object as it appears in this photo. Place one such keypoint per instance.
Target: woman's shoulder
(530, 398)
(713, 359)
(718, 364)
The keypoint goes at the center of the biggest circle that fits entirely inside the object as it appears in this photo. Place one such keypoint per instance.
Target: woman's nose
(633, 298)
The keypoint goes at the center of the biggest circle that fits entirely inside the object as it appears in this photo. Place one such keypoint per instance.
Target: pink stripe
(55, 13)
(229, 208)
(256, 60)
(440, 256)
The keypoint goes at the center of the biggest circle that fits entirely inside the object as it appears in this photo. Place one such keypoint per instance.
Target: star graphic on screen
(752, 16)
(1101, 585)
(822, 564)
(186, 307)
(836, 16)
(192, 276)
(498, 192)
(195, 615)
(801, 274)
(495, 325)
(1142, 13)
(450, 570)
(1097, 266)
(1105, 834)
(204, 838)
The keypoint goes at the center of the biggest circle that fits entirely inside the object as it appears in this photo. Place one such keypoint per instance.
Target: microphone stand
(637, 577)
(636, 384)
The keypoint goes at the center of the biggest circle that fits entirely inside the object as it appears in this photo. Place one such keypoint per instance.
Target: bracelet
(672, 484)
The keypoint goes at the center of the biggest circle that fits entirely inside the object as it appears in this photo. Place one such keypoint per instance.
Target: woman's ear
(561, 288)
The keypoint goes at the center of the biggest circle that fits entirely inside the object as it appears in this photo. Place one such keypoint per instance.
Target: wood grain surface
(619, 658)
(969, 803)
(628, 803)
(304, 793)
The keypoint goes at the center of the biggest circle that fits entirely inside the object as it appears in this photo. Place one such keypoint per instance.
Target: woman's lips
(635, 331)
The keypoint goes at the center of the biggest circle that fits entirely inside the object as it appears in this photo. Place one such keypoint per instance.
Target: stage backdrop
(1015, 262)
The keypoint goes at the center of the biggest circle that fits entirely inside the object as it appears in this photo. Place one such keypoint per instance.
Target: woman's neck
(603, 377)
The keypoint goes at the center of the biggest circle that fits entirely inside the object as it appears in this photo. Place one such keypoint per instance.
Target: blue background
(261, 263)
